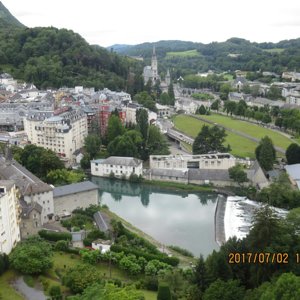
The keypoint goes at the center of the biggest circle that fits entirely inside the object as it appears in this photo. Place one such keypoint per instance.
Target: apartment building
(9, 216)
(63, 133)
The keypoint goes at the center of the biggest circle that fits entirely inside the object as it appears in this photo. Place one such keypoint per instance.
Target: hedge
(55, 236)
(173, 261)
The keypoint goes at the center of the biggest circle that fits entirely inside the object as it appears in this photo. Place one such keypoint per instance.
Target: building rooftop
(74, 188)
(23, 179)
(118, 160)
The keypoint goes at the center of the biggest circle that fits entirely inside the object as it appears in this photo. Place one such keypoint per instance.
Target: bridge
(179, 136)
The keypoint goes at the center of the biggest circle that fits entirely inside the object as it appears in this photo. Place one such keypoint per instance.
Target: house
(256, 176)
(31, 218)
(294, 174)
(170, 175)
(9, 216)
(163, 110)
(118, 166)
(72, 196)
(101, 245)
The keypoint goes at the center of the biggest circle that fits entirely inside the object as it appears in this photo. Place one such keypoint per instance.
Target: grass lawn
(253, 130)
(188, 53)
(149, 295)
(6, 291)
(240, 146)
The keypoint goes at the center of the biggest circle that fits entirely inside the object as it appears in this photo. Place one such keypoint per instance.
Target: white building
(131, 110)
(220, 161)
(63, 134)
(9, 216)
(101, 245)
(119, 166)
(32, 189)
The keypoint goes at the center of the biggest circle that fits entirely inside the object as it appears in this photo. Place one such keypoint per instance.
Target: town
(148, 173)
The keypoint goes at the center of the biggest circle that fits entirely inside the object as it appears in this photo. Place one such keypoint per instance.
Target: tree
(157, 144)
(201, 274)
(164, 292)
(80, 277)
(210, 139)
(171, 94)
(293, 154)
(224, 290)
(39, 161)
(142, 123)
(265, 153)
(238, 174)
(286, 287)
(64, 176)
(201, 110)
(109, 291)
(32, 256)
(114, 128)
(122, 146)
(92, 145)
(215, 105)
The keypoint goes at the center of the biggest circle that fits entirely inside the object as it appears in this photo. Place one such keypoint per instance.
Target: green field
(188, 53)
(253, 130)
(240, 146)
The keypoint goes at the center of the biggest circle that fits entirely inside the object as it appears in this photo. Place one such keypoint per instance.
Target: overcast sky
(136, 21)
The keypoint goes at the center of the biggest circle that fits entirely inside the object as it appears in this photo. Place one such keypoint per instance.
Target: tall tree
(265, 153)
(142, 123)
(293, 154)
(210, 139)
(114, 128)
(92, 145)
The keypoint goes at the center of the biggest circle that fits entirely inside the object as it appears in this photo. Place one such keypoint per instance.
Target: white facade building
(63, 134)
(220, 161)
(9, 216)
(119, 166)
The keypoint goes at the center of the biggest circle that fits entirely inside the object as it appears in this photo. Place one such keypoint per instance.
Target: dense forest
(50, 57)
(233, 54)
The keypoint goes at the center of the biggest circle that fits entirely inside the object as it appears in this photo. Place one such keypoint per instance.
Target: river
(171, 217)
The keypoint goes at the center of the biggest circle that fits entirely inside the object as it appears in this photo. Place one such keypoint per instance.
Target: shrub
(55, 236)
(182, 251)
(55, 292)
(61, 245)
(164, 292)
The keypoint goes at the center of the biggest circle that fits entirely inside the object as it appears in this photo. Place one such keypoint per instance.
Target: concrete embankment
(219, 220)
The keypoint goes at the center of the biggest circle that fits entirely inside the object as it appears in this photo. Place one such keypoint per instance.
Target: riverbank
(184, 260)
(179, 186)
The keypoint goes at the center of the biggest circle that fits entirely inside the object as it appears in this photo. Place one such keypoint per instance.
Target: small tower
(154, 66)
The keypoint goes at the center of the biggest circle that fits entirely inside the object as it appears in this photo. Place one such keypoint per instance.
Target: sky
(137, 21)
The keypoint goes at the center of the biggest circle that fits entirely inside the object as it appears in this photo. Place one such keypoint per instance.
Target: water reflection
(170, 216)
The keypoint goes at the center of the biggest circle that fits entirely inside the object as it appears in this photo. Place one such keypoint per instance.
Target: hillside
(50, 57)
(233, 54)
(7, 20)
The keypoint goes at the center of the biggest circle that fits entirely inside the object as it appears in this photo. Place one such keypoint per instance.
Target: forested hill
(50, 57)
(233, 54)
(7, 20)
